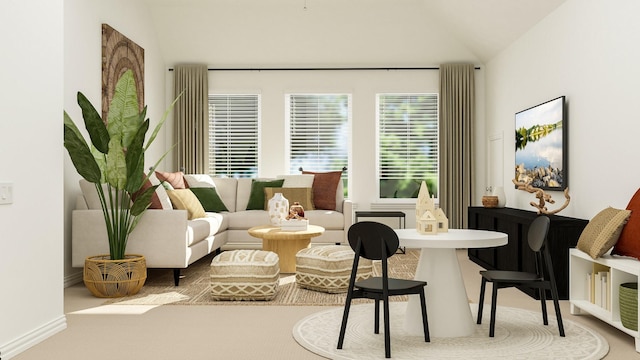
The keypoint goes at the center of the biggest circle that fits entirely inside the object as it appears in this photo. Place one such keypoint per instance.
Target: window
(319, 127)
(407, 144)
(233, 135)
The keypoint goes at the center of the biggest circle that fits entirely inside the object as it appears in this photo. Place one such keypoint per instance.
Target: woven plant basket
(106, 278)
(629, 305)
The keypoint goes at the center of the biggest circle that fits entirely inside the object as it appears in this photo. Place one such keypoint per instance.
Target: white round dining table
(448, 310)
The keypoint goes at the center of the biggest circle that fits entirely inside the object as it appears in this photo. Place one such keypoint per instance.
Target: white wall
(31, 232)
(83, 68)
(587, 50)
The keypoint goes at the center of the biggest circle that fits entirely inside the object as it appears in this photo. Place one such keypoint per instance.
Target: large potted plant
(113, 161)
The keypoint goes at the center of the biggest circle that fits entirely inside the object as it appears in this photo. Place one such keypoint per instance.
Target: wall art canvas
(119, 54)
(541, 145)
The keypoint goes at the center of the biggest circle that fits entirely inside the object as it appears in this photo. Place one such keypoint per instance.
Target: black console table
(516, 255)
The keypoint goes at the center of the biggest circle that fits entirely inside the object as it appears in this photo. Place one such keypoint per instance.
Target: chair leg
(376, 322)
(387, 335)
(494, 302)
(543, 303)
(345, 317)
(425, 321)
(481, 301)
(556, 304)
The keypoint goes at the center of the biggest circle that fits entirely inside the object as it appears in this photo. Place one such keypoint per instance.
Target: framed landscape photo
(541, 145)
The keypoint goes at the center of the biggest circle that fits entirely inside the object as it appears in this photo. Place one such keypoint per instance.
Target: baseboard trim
(32, 338)
(73, 279)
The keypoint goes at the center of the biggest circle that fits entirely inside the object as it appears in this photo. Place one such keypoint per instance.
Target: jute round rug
(519, 334)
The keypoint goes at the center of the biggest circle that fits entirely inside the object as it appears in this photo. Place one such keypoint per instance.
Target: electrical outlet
(6, 193)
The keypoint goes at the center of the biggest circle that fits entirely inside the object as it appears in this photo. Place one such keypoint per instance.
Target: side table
(285, 243)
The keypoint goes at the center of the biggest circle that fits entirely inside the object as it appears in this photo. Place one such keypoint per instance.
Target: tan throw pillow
(184, 199)
(603, 231)
(324, 189)
(302, 195)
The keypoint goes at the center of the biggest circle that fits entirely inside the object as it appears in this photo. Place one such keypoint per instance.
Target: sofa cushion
(256, 196)
(602, 232)
(184, 199)
(176, 179)
(209, 199)
(227, 189)
(299, 180)
(201, 228)
(199, 180)
(243, 220)
(629, 242)
(328, 219)
(300, 194)
(325, 186)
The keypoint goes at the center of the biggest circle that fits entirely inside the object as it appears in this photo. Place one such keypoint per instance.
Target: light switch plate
(6, 193)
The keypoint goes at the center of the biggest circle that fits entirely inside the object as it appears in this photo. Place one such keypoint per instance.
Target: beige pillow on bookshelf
(603, 231)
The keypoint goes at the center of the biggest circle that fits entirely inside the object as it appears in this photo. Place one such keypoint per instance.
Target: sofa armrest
(347, 211)
(160, 236)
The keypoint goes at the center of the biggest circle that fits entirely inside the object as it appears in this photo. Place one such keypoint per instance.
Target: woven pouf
(245, 275)
(328, 268)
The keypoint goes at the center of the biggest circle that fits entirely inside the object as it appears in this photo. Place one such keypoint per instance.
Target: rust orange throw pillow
(629, 242)
(324, 187)
(155, 200)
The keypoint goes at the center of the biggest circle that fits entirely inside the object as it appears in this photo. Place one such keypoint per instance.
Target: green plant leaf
(135, 159)
(94, 124)
(143, 201)
(116, 169)
(124, 118)
(80, 154)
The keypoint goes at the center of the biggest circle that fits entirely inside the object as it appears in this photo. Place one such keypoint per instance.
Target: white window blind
(319, 132)
(233, 134)
(407, 144)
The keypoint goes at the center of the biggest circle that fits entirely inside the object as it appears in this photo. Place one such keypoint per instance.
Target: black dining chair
(376, 241)
(537, 239)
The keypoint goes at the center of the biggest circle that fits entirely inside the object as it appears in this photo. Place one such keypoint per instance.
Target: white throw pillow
(199, 180)
(297, 181)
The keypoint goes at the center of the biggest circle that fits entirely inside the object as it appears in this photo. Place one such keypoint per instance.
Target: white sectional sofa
(169, 239)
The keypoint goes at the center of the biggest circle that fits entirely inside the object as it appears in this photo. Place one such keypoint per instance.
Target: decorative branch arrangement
(543, 198)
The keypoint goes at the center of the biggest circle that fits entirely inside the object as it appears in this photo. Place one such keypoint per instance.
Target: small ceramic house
(443, 222)
(429, 220)
(427, 224)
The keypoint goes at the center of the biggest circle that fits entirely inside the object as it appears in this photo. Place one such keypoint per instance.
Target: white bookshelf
(621, 270)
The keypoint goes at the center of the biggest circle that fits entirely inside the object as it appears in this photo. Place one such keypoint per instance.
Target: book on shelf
(598, 288)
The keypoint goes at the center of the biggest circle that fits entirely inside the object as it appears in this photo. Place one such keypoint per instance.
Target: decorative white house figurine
(429, 220)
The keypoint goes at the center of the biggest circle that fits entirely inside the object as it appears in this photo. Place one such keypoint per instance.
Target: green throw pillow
(209, 199)
(256, 198)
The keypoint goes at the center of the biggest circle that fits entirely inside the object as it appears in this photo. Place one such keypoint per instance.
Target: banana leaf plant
(115, 157)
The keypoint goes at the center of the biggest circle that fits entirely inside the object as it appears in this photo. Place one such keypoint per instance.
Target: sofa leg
(176, 276)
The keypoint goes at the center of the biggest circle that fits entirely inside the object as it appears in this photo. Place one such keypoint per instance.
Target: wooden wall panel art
(119, 54)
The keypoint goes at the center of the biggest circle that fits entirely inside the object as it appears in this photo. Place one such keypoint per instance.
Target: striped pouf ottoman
(245, 275)
(328, 268)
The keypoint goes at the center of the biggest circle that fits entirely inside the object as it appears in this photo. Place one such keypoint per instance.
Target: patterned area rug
(194, 286)
(519, 334)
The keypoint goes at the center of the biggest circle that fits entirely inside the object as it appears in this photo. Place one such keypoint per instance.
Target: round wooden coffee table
(285, 243)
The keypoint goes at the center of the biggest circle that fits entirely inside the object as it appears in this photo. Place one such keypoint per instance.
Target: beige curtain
(457, 116)
(191, 118)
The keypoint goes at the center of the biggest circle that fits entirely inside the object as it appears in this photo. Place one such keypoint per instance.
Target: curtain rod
(332, 69)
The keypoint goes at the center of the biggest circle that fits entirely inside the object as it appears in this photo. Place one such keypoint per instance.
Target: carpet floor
(519, 334)
(194, 286)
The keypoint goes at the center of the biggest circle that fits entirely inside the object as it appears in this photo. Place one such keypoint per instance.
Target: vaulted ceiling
(258, 32)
